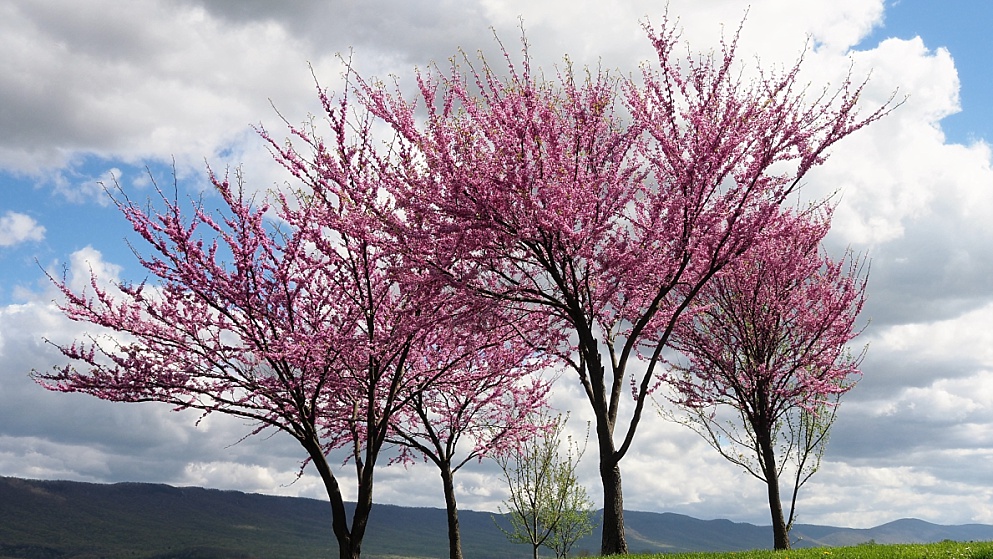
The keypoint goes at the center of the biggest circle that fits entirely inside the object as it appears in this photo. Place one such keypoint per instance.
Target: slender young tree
(577, 518)
(767, 339)
(604, 204)
(547, 505)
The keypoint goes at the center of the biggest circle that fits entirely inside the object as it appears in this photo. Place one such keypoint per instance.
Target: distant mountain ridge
(64, 520)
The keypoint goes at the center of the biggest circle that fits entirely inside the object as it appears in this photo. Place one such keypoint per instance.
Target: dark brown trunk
(363, 507)
(780, 535)
(339, 518)
(612, 540)
(454, 536)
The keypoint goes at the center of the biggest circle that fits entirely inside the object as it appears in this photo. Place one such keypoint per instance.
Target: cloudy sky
(97, 90)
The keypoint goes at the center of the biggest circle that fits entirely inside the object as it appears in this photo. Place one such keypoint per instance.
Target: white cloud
(966, 335)
(866, 495)
(900, 168)
(155, 80)
(17, 228)
(88, 263)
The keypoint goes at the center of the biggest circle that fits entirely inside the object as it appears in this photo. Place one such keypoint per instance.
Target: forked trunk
(349, 540)
(339, 520)
(612, 539)
(363, 507)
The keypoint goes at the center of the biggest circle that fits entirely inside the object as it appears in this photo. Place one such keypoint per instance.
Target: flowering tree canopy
(767, 338)
(255, 323)
(577, 217)
(604, 204)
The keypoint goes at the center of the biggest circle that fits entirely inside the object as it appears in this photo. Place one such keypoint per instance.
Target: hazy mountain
(62, 520)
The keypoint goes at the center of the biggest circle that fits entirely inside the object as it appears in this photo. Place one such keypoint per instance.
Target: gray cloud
(941, 267)
(414, 33)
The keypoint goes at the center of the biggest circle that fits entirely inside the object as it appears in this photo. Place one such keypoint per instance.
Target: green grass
(942, 550)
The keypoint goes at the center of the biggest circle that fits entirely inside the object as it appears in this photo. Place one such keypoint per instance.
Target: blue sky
(99, 89)
(962, 27)
(71, 221)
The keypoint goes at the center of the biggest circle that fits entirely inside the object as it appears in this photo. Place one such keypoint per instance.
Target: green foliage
(547, 504)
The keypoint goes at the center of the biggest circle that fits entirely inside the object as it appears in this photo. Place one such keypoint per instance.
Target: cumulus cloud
(17, 228)
(158, 79)
(88, 263)
(890, 172)
(866, 495)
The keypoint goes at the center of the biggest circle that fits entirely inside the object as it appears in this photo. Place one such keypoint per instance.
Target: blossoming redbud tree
(767, 339)
(305, 323)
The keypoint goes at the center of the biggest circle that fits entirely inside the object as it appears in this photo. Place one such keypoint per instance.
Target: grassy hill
(941, 550)
(70, 520)
(43, 519)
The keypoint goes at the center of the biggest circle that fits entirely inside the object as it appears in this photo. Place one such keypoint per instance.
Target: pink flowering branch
(312, 326)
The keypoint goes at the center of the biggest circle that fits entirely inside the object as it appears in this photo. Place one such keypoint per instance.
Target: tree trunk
(339, 520)
(781, 537)
(612, 540)
(454, 536)
(363, 507)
